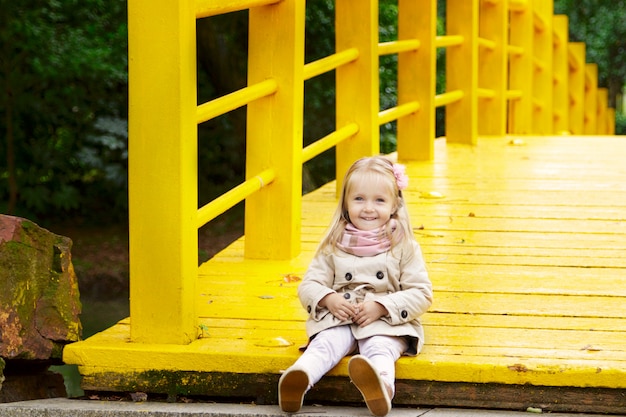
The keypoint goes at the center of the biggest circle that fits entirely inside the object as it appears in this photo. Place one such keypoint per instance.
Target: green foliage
(319, 92)
(601, 25)
(388, 31)
(620, 124)
(62, 74)
(222, 68)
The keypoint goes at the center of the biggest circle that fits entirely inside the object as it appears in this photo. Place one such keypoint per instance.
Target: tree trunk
(10, 153)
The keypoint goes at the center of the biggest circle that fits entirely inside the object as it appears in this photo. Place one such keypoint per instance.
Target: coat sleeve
(317, 284)
(415, 293)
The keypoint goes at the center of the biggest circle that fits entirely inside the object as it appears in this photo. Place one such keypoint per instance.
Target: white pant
(331, 345)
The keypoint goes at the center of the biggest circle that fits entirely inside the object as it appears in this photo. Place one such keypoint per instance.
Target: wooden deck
(525, 243)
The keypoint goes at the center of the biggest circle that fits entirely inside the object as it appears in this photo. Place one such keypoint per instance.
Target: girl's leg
(383, 352)
(373, 371)
(323, 353)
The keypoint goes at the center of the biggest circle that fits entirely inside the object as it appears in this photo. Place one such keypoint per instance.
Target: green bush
(620, 124)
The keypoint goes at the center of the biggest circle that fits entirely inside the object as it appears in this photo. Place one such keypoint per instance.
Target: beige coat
(402, 287)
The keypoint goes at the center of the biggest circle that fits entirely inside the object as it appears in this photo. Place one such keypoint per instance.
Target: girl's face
(369, 201)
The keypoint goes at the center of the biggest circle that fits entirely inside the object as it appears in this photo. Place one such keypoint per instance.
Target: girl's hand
(338, 306)
(369, 312)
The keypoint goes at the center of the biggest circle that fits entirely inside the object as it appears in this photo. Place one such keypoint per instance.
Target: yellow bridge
(520, 209)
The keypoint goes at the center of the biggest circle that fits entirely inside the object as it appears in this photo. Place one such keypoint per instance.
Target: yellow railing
(510, 69)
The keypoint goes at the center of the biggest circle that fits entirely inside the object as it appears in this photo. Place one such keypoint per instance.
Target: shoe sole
(367, 380)
(291, 389)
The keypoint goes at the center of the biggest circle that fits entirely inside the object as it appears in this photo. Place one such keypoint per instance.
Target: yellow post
(462, 71)
(492, 66)
(521, 69)
(591, 99)
(560, 103)
(417, 76)
(162, 171)
(542, 83)
(610, 121)
(274, 130)
(356, 26)
(576, 87)
(603, 99)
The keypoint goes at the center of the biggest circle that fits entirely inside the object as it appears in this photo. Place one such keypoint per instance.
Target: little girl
(364, 291)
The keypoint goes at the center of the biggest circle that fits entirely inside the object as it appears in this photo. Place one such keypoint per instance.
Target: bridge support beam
(417, 75)
(274, 130)
(462, 71)
(162, 173)
(356, 26)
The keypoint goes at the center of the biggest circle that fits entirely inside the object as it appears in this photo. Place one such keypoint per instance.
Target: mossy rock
(39, 297)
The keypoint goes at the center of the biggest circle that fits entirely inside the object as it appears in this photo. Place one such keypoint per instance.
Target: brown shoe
(372, 387)
(292, 386)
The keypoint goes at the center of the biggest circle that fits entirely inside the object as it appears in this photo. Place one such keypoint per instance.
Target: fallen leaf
(534, 410)
(517, 142)
(274, 342)
(424, 234)
(518, 367)
(431, 195)
(266, 297)
(291, 278)
(590, 348)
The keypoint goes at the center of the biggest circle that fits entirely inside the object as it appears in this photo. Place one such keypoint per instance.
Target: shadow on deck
(524, 241)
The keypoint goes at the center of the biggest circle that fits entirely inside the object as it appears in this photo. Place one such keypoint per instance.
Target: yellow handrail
(397, 112)
(449, 97)
(487, 44)
(232, 101)
(539, 64)
(397, 47)
(518, 5)
(330, 63)
(513, 94)
(206, 8)
(485, 93)
(540, 23)
(446, 41)
(572, 60)
(328, 141)
(515, 51)
(228, 200)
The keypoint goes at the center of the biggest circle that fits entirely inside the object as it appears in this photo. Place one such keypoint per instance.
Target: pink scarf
(365, 243)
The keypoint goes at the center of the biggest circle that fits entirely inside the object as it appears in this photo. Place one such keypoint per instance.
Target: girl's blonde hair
(383, 168)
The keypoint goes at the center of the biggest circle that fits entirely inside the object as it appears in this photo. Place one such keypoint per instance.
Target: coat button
(308, 309)
(404, 314)
(348, 276)
(380, 275)
(346, 296)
